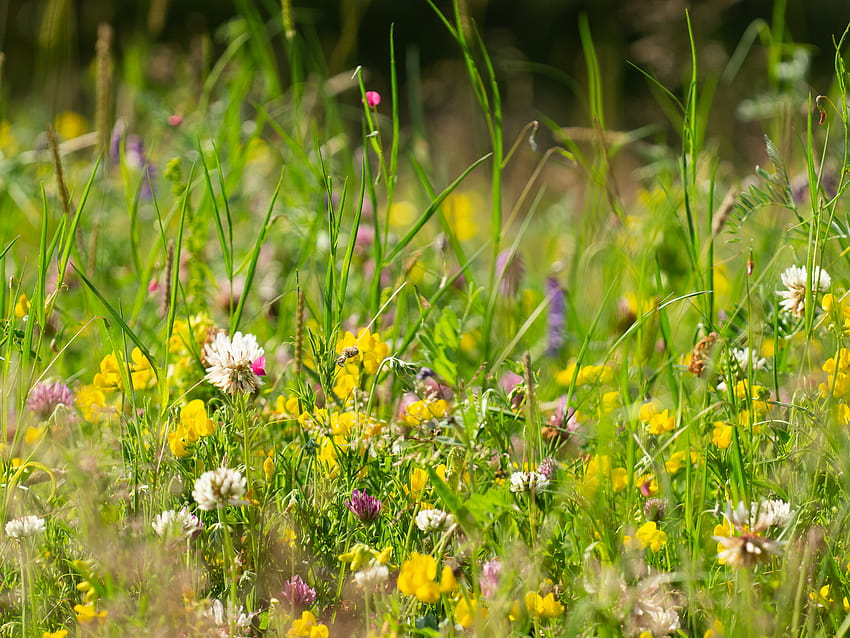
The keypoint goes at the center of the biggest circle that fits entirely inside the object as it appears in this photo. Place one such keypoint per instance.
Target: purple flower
(548, 467)
(298, 593)
(46, 397)
(556, 318)
(364, 507)
(490, 574)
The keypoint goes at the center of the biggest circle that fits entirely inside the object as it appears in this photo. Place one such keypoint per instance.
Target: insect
(347, 353)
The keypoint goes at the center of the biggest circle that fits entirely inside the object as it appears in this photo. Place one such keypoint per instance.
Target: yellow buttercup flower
(59, 633)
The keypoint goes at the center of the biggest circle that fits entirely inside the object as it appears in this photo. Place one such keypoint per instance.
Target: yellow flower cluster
(92, 403)
(647, 535)
(194, 423)
(87, 612)
(425, 410)
(307, 626)
(363, 353)
(361, 555)
(186, 343)
(838, 375)
(599, 468)
(655, 420)
(543, 606)
(721, 435)
(112, 372)
(838, 310)
(418, 577)
(587, 375)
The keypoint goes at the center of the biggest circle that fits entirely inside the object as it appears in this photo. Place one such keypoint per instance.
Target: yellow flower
(92, 403)
(109, 377)
(421, 411)
(715, 631)
(402, 214)
(371, 351)
(656, 422)
(141, 371)
(178, 442)
(587, 375)
(468, 611)
(543, 606)
(648, 535)
(723, 529)
(610, 401)
(34, 435)
(268, 468)
(418, 578)
(88, 613)
(675, 462)
(459, 209)
(598, 468)
(59, 633)
(721, 436)
(418, 481)
(69, 124)
(22, 307)
(193, 417)
(448, 582)
(307, 627)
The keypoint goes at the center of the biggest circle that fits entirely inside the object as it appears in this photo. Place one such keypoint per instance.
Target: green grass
(402, 358)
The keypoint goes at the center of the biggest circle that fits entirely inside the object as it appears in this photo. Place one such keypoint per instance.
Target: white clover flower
(528, 482)
(234, 365)
(434, 520)
(178, 525)
(24, 527)
(372, 577)
(219, 488)
(770, 513)
(794, 295)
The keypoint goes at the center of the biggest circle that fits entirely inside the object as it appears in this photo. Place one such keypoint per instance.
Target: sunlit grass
(264, 370)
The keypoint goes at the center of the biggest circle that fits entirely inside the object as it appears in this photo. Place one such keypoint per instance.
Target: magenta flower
(373, 99)
(366, 508)
(490, 575)
(258, 366)
(298, 593)
(46, 397)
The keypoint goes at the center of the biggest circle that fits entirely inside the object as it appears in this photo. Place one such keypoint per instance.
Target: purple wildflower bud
(490, 575)
(548, 467)
(556, 318)
(298, 593)
(654, 508)
(46, 397)
(509, 268)
(366, 508)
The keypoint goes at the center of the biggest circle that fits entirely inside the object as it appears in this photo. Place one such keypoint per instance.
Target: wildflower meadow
(275, 361)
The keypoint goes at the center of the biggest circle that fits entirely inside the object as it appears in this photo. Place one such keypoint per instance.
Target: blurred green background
(49, 48)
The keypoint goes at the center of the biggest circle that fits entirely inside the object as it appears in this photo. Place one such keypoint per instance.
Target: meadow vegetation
(267, 369)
